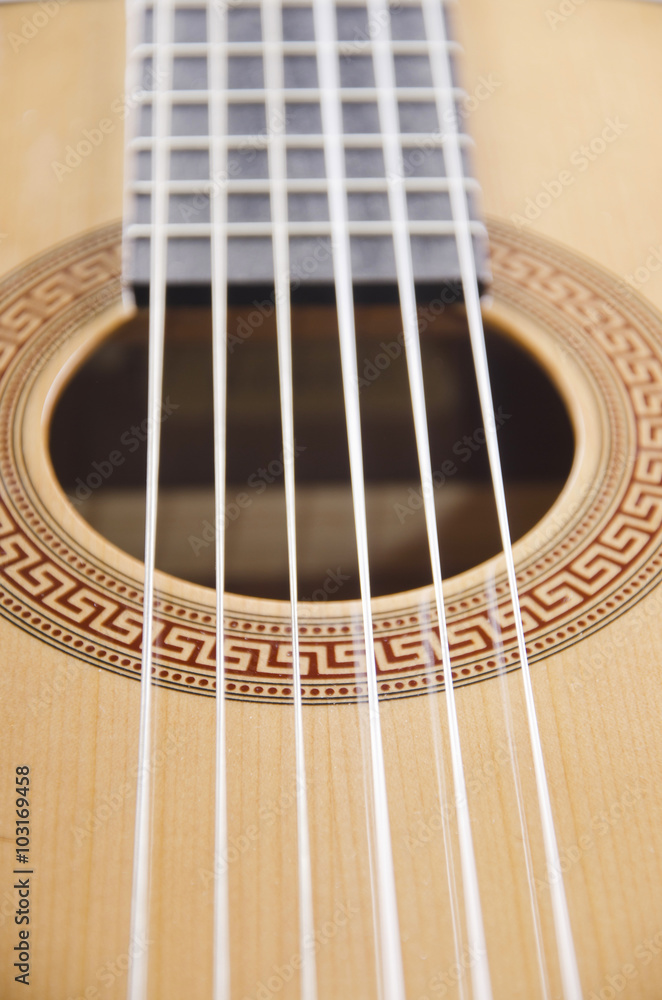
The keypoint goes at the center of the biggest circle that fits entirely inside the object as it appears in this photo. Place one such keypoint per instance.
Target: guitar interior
(101, 462)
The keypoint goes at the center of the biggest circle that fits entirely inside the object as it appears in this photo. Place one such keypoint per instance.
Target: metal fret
(352, 140)
(246, 95)
(191, 186)
(300, 229)
(298, 48)
(306, 185)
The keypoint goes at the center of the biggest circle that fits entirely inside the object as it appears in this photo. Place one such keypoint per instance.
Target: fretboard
(191, 131)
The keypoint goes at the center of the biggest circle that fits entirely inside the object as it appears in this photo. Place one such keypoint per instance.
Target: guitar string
(217, 33)
(441, 72)
(502, 675)
(157, 296)
(371, 826)
(389, 121)
(388, 932)
(442, 794)
(277, 168)
(139, 957)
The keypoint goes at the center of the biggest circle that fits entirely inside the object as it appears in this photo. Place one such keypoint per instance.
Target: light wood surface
(599, 700)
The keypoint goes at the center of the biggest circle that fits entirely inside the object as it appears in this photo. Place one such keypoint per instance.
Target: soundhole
(98, 448)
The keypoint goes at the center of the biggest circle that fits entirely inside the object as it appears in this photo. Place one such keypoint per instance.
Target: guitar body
(588, 78)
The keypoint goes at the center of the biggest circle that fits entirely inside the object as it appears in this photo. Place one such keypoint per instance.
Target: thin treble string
(492, 610)
(389, 947)
(436, 34)
(217, 34)
(277, 159)
(390, 127)
(446, 831)
(139, 957)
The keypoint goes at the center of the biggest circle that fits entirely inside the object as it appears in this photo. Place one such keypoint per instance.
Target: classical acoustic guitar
(331, 500)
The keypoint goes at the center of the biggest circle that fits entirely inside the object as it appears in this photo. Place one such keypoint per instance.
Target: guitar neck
(199, 116)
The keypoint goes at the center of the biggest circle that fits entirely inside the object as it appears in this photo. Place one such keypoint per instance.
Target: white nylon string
(217, 33)
(389, 122)
(448, 841)
(388, 938)
(139, 957)
(436, 33)
(277, 159)
(512, 746)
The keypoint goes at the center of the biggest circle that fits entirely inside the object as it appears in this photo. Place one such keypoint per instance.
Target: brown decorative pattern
(602, 553)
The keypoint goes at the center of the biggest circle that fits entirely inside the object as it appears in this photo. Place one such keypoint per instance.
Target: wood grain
(599, 700)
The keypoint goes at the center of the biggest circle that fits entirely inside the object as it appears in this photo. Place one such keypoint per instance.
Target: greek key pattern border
(597, 562)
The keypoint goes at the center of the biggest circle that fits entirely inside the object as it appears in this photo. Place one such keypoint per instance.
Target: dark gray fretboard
(246, 182)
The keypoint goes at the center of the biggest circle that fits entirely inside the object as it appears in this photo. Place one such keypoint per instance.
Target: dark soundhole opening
(98, 448)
